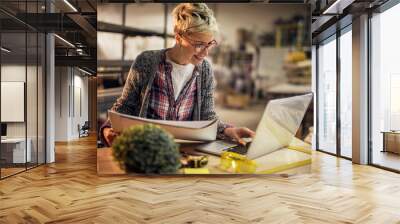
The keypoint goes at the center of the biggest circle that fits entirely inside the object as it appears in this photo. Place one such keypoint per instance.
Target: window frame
(342, 26)
(378, 10)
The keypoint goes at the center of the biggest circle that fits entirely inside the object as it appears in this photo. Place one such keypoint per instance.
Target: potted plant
(146, 149)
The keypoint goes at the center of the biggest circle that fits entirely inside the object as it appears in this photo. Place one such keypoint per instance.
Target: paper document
(185, 130)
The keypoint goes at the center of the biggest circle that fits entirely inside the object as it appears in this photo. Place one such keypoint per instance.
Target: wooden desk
(13, 150)
(292, 160)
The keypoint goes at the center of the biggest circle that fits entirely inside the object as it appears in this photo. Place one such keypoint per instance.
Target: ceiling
(74, 21)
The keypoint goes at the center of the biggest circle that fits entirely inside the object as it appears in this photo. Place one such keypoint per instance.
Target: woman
(176, 83)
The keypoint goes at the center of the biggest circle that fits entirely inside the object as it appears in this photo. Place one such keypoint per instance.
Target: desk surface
(292, 160)
(391, 132)
(13, 140)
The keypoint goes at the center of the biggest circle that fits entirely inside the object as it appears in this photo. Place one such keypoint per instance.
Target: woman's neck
(174, 54)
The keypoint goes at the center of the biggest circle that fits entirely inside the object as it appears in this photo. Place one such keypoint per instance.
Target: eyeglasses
(200, 46)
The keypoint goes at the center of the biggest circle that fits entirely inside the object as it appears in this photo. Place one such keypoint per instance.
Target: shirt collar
(197, 68)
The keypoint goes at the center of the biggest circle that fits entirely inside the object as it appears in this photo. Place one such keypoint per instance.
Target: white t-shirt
(180, 74)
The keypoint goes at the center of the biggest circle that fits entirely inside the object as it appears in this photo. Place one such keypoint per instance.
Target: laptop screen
(279, 124)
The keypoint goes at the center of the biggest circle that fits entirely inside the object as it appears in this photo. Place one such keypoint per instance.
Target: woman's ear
(178, 39)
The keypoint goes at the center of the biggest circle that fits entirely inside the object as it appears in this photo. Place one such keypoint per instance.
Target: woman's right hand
(109, 135)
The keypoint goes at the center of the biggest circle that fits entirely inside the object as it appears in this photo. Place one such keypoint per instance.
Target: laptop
(278, 125)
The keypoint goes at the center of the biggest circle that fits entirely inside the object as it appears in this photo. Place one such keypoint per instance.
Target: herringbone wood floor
(69, 191)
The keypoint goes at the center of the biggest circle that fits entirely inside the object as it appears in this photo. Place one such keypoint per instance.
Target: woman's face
(196, 46)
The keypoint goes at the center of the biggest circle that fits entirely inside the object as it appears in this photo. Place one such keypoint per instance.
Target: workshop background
(264, 53)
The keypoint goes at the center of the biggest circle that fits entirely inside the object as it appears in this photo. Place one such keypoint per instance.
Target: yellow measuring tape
(237, 163)
(286, 167)
(300, 149)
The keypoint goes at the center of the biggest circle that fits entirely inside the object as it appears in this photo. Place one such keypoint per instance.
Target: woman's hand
(239, 133)
(109, 135)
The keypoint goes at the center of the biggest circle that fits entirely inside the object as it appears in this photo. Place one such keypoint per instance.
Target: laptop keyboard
(217, 147)
(240, 149)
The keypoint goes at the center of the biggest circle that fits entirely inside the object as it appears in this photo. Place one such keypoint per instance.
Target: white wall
(61, 103)
(12, 73)
(34, 124)
(80, 94)
(69, 85)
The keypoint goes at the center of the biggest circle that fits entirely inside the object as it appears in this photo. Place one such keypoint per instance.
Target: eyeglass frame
(201, 47)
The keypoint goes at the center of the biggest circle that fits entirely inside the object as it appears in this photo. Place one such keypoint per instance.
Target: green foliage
(146, 149)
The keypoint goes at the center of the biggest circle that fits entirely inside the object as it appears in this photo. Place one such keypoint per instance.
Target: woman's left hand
(239, 133)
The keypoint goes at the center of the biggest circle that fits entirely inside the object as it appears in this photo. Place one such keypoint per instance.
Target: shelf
(128, 31)
(113, 66)
(114, 63)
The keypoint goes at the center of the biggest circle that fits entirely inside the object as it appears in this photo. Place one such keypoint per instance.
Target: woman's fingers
(109, 135)
(234, 134)
(237, 136)
(238, 133)
(245, 132)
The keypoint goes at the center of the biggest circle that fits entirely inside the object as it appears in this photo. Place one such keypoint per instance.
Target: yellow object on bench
(196, 171)
(236, 163)
(300, 149)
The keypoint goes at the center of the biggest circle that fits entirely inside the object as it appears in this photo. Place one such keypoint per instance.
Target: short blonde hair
(195, 18)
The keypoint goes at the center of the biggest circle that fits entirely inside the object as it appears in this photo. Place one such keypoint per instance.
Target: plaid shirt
(162, 103)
